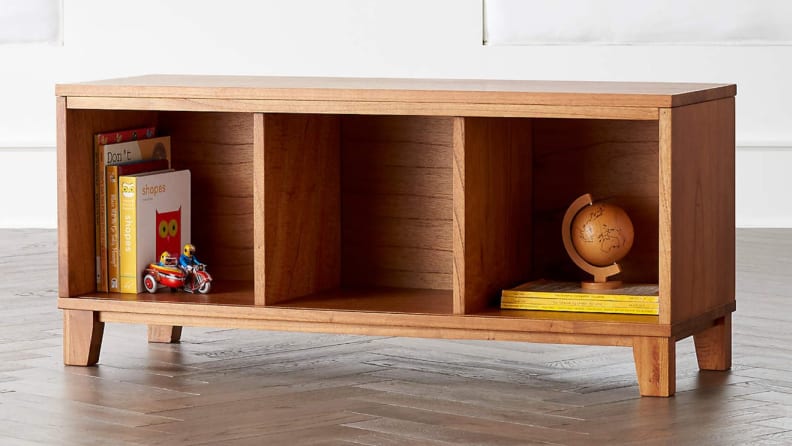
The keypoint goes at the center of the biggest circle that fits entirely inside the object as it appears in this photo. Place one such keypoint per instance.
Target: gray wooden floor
(237, 387)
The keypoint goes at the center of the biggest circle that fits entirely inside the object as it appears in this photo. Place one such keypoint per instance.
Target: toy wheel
(150, 283)
(205, 287)
(173, 290)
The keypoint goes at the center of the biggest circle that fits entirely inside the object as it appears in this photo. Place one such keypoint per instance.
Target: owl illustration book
(168, 225)
(128, 189)
(154, 217)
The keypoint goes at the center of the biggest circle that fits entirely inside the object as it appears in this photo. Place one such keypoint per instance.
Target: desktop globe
(596, 236)
(602, 234)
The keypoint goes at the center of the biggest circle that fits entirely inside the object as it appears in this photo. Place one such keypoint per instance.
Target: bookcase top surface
(560, 93)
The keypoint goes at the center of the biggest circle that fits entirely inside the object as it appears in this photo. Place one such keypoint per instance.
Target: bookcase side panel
(396, 201)
(302, 226)
(259, 227)
(217, 148)
(497, 192)
(702, 231)
(76, 214)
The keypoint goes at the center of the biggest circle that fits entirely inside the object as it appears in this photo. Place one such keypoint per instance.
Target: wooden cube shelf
(404, 207)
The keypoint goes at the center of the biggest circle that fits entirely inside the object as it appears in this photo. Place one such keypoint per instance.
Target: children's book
(111, 181)
(100, 213)
(154, 217)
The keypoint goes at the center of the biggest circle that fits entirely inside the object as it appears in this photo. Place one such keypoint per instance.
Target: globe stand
(600, 273)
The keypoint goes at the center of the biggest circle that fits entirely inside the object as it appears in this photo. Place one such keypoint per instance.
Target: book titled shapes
(154, 216)
(111, 179)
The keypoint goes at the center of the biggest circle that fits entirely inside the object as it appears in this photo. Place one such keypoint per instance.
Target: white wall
(386, 38)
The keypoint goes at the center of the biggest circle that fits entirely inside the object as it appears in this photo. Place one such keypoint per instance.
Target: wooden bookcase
(403, 207)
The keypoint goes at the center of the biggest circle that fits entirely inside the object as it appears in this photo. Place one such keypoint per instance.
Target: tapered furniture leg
(713, 345)
(655, 364)
(166, 334)
(82, 337)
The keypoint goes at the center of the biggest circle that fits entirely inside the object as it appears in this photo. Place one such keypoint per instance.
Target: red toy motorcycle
(191, 280)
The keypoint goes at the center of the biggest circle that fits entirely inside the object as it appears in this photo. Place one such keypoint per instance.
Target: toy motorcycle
(192, 279)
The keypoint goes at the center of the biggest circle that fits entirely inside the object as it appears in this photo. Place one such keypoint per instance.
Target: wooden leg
(166, 334)
(713, 345)
(655, 363)
(82, 337)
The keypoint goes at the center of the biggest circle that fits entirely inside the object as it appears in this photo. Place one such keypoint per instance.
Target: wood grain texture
(630, 94)
(614, 161)
(217, 148)
(259, 227)
(302, 202)
(396, 201)
(76, 254)
(364, 107)
(700, 207)
(714, 345)
(82, 337)
(655, 364)
(664, 215)
(377, 307)
(496, 193)
(165, 334)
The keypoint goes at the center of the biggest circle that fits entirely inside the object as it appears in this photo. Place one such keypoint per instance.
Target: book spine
(587, 296)
(113, 241)
(100, 195)
(585, 307)
(99, 209)
(127, 207)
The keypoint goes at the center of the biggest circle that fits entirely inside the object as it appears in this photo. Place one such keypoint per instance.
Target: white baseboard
(28, 187)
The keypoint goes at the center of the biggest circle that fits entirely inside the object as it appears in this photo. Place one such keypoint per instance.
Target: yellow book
(605, 305)
(154, 216)
(112, 148)
(113, 243)
(546, 289)
(578, 308)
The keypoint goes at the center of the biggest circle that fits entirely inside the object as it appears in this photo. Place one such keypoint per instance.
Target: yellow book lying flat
(546, 289)
(568, 296)
(551, 306)
(605, 306)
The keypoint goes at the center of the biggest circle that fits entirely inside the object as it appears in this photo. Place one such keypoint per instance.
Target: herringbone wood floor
(269, 388)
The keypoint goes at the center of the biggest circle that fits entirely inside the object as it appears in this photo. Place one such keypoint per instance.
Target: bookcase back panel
(616, 162)
(218, 150)
(301, 198)
(396, 201)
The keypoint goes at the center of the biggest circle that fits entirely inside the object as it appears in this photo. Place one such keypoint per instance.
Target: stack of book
(120, 154)
(569, 296)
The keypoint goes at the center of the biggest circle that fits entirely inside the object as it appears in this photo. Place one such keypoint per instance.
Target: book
(112, 173)
(569, 296)
(154, 216)
(612, 307)
(100, 219)
(572, 290)
(152, 148)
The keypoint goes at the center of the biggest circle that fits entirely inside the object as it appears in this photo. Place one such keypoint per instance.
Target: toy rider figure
(188, 260)
(167, 260)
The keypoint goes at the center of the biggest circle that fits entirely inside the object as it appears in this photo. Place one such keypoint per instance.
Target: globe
(602, 234)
